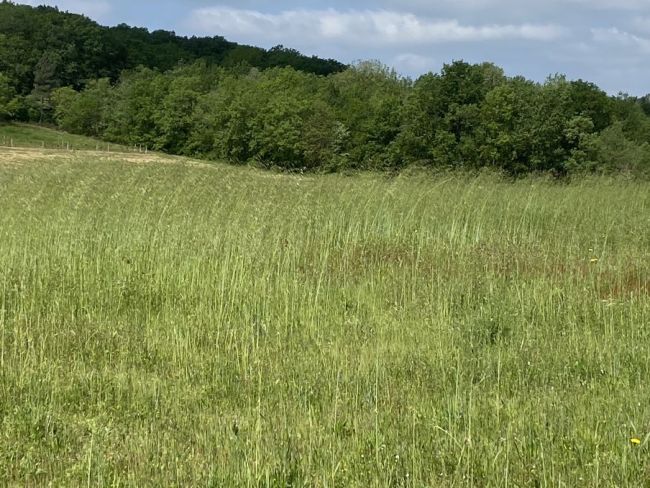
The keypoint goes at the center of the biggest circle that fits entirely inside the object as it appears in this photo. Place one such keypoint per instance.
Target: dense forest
(210, 98)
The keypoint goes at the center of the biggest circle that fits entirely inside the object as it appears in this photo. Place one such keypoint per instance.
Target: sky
(603, 41)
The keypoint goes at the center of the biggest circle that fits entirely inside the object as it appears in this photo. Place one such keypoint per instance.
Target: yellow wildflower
(635, 440)
(594, 260)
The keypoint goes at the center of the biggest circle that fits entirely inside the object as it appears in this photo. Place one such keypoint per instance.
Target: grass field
(192, 325)
(34, 136)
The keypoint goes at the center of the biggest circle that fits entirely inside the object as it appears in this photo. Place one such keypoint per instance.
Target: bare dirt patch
(16, 156)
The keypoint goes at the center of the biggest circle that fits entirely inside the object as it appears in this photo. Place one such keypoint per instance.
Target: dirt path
(18, 155)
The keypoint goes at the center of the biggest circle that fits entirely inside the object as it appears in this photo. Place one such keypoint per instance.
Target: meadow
(29, 136)
(165, 322)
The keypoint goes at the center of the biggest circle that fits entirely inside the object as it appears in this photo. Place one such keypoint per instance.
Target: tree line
(467, 116)
(42, 47)
(366, 116)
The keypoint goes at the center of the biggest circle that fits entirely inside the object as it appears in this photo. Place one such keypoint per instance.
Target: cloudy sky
(604, 41)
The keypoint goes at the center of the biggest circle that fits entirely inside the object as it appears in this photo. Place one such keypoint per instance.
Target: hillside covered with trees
(44, 48)
(209, 98)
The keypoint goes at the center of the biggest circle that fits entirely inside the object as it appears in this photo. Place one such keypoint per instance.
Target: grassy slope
(34, 136)
(185, 325)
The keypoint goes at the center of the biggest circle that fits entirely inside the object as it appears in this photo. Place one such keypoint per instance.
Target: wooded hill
(209, 98)
(43, 46)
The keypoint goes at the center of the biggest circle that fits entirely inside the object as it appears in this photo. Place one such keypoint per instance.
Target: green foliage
(275, 122)
(85, 112)
(580, 134)
(468, 116)
(636, 123)
(590, 101)
(7, 97)
(615, 152)
(507, 135)
(644, 103)
(368, 102)
(442, 115)
(135, 107)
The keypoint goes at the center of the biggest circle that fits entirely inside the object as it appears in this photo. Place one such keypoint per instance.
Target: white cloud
(612, 4)
(615, 36)
(529, 5)
(360, 27)
(413, 63)
(95, 9)
(641, 24)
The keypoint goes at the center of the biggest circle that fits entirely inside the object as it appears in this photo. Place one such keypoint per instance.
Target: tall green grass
(181, 325)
